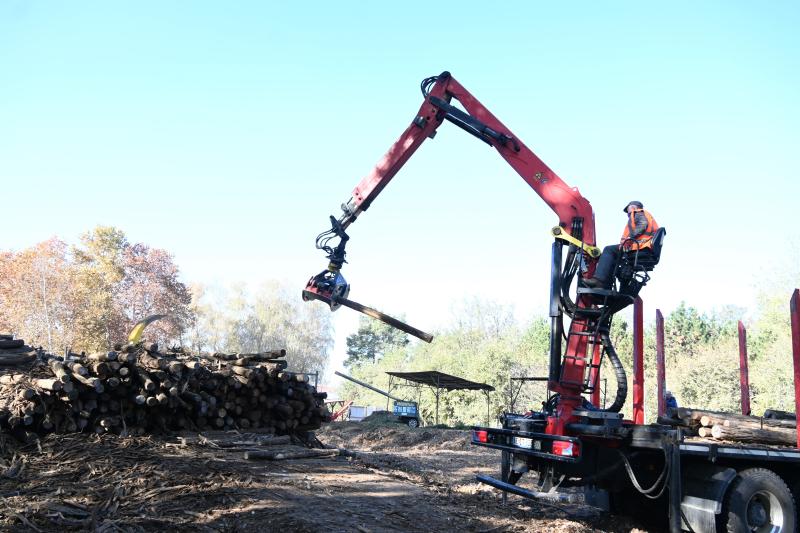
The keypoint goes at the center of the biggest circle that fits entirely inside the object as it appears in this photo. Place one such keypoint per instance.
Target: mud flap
(704, 488)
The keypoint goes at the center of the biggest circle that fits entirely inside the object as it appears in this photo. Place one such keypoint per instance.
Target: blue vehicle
(406, 411)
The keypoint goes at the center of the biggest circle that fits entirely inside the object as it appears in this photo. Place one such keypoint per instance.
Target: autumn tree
(36, 285)
(240, 319)
(88, 296)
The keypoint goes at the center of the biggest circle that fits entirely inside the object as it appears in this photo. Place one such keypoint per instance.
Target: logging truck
(665, 469)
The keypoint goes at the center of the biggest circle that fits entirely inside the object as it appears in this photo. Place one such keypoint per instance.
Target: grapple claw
(327, 286)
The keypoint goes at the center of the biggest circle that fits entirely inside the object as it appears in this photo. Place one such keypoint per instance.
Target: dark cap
(634, 203)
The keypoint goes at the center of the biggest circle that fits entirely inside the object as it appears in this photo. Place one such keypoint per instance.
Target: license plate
(523, 442)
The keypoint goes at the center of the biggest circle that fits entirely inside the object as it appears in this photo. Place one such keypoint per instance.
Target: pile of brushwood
(138, 389)
(774, 428)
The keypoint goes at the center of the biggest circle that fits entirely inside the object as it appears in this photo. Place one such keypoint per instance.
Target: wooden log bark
(783, 436)
(93, 383)
(278, 455)
(79, 369)
(102, 356)
(695, 417)
(760, 423)
(60, 371)
(776, 414)
(49, 384)
(133, 392)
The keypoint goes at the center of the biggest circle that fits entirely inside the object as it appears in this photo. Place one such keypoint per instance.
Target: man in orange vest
(637, 235)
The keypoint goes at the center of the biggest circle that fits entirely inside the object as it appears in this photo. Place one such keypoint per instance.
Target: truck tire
(413, 422)
(758, 500)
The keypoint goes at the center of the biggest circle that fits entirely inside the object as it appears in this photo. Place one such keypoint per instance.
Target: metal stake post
(744, 375)
(661, 364)
(794, 308)
(638, 362)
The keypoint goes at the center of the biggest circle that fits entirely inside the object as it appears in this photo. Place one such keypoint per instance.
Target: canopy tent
(438, 381)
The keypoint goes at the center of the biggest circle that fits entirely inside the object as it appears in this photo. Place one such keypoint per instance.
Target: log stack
(734, 427)
(15, 352)
(139, 389)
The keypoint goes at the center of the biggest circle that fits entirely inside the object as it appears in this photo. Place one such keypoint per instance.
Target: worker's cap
(633, 203)
(669, 393)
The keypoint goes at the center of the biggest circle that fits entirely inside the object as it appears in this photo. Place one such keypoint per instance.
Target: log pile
(138, 389)
(732, 427)
(15, 352)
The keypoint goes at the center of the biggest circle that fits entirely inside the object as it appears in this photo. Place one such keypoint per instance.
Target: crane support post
(638, 361)
(555, 313)
(661, 369)
(794, 308)
(744, 374)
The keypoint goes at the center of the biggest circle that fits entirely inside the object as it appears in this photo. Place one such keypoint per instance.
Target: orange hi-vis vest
(643, 241)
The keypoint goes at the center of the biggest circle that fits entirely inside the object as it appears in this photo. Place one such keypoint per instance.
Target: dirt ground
(401, 479)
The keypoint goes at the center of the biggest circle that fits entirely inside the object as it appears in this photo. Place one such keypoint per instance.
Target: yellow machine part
(559, 233)
(136, 332)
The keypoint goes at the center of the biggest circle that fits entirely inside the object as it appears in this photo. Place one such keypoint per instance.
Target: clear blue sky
(227, 132)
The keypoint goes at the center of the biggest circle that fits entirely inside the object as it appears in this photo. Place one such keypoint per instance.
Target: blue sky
(228, 132)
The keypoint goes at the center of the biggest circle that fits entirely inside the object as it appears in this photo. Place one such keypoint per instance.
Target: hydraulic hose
(619, 374)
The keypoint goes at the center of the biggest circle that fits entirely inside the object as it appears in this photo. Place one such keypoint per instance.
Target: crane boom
(439, 91)
(575, 214)
(574, 369)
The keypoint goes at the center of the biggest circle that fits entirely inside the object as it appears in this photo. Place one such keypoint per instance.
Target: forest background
(87, 296)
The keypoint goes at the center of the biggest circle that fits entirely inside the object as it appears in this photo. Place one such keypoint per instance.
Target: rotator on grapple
(329, 285)
(574, 371)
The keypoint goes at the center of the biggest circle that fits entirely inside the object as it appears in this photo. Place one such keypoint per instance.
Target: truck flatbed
(644, 468)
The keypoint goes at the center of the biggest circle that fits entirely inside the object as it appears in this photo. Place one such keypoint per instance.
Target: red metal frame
(744, 374)
(342, 410)
(661, 365)
(573, 210)
(566, 201)
(794, 309)
(638, 361)
(596, 360)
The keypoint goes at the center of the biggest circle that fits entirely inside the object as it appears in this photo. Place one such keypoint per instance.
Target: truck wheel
(413, 422)
(758, 500)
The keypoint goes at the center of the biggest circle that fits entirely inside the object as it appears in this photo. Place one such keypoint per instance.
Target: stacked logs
(734, 427)
(137, 390)
(15, 352)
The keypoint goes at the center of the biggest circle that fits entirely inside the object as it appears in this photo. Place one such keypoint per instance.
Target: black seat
(634, 266)
(631, 274)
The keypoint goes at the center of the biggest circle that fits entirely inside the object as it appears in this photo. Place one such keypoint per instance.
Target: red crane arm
(572, 208)
(574, 212)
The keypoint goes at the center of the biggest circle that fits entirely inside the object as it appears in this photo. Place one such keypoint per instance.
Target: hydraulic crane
(573, 372)
(621, 465)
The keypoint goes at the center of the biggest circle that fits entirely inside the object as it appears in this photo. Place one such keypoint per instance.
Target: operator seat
(634, 266)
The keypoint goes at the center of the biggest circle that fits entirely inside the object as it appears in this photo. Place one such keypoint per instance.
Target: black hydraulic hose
(566, 281)
(619, 374)
(662, 478)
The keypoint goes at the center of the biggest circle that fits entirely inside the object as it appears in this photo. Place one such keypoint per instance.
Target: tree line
(87, 296)
(485, 344)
